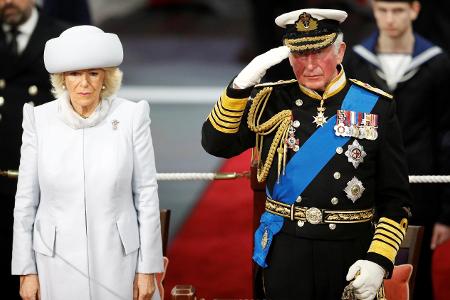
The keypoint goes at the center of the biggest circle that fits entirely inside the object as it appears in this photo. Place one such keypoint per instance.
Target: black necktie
(13, 33)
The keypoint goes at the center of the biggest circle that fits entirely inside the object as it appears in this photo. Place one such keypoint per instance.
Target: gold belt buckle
(314, 215)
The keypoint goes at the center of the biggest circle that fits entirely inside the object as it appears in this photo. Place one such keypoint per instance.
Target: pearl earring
(103, 87)
(63, 86)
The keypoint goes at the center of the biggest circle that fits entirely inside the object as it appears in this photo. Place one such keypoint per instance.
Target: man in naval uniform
(331, 154)
(23, 78)
(398, 60)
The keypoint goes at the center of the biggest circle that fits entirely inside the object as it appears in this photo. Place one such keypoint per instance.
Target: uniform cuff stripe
(233, 103)
(382, 248)
(387, 231)
(224, 119)
(401, 227)
(387, 239)
(220, 128)
(229, 111)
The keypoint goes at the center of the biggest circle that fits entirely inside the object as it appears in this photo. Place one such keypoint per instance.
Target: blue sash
(304, 166)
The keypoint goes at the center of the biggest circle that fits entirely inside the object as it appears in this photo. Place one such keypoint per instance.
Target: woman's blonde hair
(113, 80)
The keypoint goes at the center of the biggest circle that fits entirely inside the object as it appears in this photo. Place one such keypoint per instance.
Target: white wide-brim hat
(82, 47)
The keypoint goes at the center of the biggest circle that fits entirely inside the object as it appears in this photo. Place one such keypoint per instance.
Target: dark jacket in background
(22, 79)
(423, 109)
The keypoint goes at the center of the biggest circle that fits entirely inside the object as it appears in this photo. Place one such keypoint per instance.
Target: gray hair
(339, 40)
(113, 80)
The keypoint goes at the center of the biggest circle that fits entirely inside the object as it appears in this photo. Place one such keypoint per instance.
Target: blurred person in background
(415, 71)
(23, 79)
(433, 22)
(318, 130)
(86, 215)
(75, 12)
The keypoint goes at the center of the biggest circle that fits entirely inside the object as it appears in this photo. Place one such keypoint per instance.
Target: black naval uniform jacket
(383, 172)
(423, 110)
(23, 79)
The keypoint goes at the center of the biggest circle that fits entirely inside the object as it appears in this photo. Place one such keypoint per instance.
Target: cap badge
(306, 23)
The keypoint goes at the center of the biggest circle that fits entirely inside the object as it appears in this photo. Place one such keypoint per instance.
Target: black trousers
(10, 284)
(308, 269)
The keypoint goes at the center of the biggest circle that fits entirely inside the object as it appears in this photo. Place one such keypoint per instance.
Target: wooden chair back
(409, 253)
(164, 215)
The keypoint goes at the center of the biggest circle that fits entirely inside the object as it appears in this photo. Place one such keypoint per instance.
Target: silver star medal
(355, 153)
(354, 189)
(320, 119)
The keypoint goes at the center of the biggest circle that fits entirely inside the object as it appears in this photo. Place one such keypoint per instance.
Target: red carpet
(213, 249)
(441, 271)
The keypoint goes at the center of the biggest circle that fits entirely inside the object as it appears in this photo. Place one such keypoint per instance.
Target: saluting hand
(257, 68)
(143, 286)
(29, 287)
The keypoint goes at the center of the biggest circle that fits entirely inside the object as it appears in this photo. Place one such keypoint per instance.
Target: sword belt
(314, 215)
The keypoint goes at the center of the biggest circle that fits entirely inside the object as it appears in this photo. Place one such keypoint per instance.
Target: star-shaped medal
(320, 119)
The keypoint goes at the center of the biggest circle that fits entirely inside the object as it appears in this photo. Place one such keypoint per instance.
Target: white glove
(369, 280)
(257, 68)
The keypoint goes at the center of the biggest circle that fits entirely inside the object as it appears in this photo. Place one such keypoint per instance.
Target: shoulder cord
(281, 121)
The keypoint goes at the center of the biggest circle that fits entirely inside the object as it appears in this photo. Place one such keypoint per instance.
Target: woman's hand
(29, 287)
(143, 286)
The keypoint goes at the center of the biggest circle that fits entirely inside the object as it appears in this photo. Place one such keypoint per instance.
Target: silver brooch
(354, 189)
(355, 153)
(115, 124)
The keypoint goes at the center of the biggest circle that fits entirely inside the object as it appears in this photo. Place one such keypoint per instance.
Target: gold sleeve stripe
(217, 115)
(229, 113)
(220, 128)
(224, 123)
(232, 103)
(393, 231)
(225, 120)
(227, 110)
(401, 227)
(384, 249)
(388, 237)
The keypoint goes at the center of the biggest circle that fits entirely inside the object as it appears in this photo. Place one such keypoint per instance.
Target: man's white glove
(257, 68)
(369, 280)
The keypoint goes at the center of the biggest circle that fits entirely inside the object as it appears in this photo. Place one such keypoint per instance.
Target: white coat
(86, 216)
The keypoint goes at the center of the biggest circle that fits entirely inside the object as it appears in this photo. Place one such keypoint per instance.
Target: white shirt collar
(25, 29)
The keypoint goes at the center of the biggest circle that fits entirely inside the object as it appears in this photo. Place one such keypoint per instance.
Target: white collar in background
(394, 67)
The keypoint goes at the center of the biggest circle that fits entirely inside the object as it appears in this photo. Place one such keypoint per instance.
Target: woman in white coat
(86, 217)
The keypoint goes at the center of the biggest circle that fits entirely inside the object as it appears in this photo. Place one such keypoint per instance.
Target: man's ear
(341, 52)
(415, 9)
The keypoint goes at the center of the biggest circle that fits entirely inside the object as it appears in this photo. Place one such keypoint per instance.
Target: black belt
(314, 215)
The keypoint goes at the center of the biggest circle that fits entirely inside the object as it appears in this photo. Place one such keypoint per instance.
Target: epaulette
(276, 82)
(371, 88)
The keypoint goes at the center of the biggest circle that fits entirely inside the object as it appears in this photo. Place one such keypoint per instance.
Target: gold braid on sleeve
(279, 122)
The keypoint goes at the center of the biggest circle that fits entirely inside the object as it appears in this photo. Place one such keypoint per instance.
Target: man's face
(315, 70)
(395, 18)
(15, 12)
